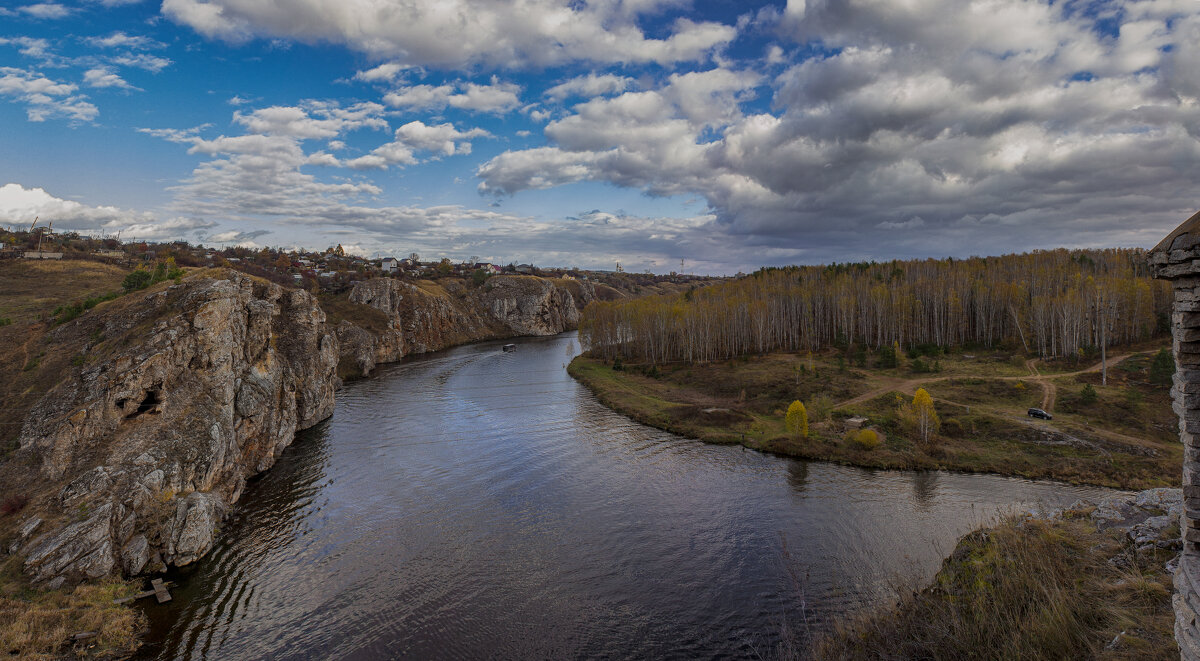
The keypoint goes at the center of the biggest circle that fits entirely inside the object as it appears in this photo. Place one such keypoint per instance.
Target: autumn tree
(925, 414)
(796, 420)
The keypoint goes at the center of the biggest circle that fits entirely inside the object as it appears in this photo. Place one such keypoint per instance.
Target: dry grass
(1025, 590)
(33, 287)
(40, 624)
(984, 428)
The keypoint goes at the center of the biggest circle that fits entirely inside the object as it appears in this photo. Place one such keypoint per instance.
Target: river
(475, 503)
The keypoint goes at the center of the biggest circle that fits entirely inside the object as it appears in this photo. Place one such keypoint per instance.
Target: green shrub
(139, 279)
(953, 428)
(4, 321)
(1088, 396)
(1163, 368)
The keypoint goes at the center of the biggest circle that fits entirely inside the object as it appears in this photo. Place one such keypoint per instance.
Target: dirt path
(1050, 392)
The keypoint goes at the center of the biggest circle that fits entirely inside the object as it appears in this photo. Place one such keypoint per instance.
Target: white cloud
(460, 33)
(121, 40)
(45, 10)
(104, 77)
(381, 73)
(312, 119)
(21, 205)
(440, 139)
(116, 3)
(151, 63)
(45, 98)
(1016, 114)
(589, 86)
(496, 97)
(29, 46)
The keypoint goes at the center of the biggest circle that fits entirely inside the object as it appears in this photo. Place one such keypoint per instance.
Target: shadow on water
(481, 503)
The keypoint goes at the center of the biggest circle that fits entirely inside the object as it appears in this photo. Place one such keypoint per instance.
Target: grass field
(1125, 438)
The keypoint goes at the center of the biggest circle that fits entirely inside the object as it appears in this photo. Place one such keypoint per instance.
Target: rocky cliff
(431, 316)
(177, 397)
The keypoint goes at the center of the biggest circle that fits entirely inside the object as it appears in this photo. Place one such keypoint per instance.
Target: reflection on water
(480, 503)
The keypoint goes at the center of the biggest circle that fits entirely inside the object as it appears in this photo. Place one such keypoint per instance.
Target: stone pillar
(1177, 259)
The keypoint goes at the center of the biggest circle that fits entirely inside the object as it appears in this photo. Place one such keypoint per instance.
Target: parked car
(1038, 413)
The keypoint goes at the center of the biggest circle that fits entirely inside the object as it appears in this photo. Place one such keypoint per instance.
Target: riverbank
(1093, 581)
(1123, 438)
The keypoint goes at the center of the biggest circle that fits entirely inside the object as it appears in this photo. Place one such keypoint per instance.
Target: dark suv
(1038, 413)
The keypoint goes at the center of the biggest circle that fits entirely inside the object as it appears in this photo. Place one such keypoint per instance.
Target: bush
(887, 357)
(4, 321)
(865, 439)
(820, 408)
(953, 428)
(1088, 396)
(139, 279)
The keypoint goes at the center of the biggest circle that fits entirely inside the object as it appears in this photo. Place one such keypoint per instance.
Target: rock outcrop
(430, 317)
(183, 394)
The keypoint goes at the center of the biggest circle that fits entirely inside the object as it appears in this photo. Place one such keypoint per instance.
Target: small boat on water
(510, 347)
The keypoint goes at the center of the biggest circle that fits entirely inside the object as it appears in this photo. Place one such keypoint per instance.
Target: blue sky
(729, 134)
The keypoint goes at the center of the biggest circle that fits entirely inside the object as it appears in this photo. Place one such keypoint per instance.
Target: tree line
(1048, 303)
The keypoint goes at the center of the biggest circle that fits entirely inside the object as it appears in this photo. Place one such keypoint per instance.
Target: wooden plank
(160, 591)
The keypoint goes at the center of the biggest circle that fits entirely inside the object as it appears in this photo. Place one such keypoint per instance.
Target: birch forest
(1047, 303)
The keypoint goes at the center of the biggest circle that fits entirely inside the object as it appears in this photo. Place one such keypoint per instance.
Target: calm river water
(475, 503)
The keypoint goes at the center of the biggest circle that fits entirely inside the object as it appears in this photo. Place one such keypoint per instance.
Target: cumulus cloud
(45, 10)
(974, 117)
(495, 97)
(21, 205)
(45, 98)
(29, 46)
(105, 77)
(460, 33)
(151, 63)
(121, 40)
(381, 73)
(312, 119)
(440, 139)
(589, 86)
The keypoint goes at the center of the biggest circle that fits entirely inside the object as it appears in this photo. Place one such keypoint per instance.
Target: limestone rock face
(434, 317)
(530, 306)
(203, 385)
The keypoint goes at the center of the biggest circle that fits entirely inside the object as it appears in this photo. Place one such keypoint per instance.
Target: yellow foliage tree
(927, 419)
(796, 420)
(867, 439)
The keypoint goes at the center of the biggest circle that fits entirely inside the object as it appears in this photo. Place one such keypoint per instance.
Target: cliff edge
(177, 396)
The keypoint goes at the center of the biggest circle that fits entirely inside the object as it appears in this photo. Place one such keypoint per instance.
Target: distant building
(34, 254)
(111, 253)
(389, 264)
(524, 268)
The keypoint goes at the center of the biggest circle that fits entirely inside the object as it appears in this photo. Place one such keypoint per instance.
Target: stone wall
(1177, 259)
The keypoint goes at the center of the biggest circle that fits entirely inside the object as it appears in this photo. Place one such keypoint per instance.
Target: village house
(389, 264)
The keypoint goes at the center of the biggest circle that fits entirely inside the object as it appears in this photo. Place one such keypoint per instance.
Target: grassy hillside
(1024, 589)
